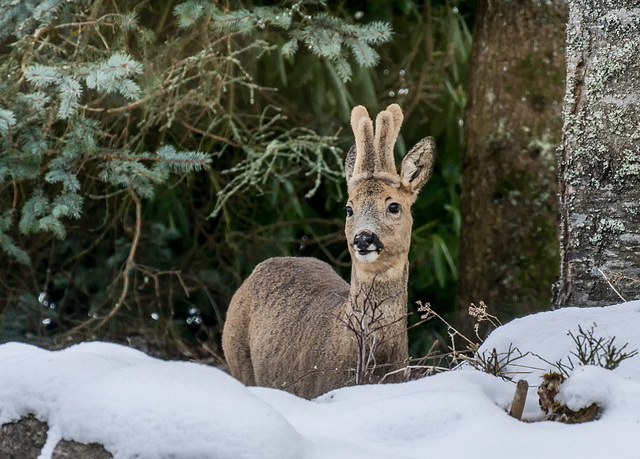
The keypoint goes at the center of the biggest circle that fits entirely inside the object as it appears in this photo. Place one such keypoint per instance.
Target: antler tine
(362, 126)
(374, 154)
(388, 123)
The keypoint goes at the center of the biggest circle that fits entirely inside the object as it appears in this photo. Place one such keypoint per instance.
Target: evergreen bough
(101, 111)
(328, 37)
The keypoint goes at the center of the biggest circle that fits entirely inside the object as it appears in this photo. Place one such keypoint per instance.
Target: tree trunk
(508, 250)
(600, 156)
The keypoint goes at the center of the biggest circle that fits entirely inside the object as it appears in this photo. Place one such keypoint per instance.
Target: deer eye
(349, 210)
(394, 208)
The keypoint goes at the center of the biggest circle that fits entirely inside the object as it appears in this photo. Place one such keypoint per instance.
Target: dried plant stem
(611, 285)
(451, 330)
(364, 320)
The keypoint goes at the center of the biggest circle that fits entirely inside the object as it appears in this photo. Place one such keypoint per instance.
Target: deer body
(286, 324)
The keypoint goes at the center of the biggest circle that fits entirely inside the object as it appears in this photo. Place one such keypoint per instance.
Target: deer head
(378, 226)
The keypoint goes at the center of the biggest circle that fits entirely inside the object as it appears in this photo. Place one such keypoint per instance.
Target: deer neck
(386, 290)
(377, 311)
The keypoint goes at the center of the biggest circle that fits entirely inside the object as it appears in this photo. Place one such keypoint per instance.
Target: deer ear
(350, 162)
(417, 165)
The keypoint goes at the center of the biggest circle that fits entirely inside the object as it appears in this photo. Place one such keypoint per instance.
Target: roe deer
(285, 326)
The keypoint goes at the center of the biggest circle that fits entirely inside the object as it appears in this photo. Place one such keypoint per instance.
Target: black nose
(364, 240)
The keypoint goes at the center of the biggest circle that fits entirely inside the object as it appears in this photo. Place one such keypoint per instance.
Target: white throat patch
(368, 257)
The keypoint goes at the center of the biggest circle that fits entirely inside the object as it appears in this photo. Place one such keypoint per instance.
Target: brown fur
(284, 327)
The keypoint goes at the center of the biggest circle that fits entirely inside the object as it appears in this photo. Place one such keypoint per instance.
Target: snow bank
(138, 405)
(546, 335)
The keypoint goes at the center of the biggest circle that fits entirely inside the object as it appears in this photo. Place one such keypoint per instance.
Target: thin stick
(130, 259)
(611, 285)
(517, 406)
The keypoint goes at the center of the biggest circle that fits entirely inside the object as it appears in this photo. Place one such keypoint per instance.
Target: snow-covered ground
(138, 406)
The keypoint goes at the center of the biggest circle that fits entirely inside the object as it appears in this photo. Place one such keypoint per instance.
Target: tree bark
(600, 155)
(508, 250)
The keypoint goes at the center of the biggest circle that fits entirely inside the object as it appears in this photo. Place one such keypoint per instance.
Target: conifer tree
(111, 116)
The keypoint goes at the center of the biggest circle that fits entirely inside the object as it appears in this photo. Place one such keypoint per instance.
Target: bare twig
(451, 331)
(207, 134)
(611, 285)
(130, 259)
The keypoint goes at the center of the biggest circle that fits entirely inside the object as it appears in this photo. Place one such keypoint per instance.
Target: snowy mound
(546, 335)
(138, 406)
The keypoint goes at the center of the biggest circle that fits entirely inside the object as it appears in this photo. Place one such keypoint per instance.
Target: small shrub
(600, 352)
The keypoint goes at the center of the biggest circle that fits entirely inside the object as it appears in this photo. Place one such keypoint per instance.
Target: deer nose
(366, 241)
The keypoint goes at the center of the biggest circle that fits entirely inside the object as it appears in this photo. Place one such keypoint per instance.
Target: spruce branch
(7, 244)
(329, 37)
(190, 12)
(7, 119)
(95, 107)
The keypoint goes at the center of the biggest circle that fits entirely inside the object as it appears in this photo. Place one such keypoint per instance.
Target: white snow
(138, 406)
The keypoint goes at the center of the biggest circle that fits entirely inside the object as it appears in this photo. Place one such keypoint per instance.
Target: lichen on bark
(600, 154)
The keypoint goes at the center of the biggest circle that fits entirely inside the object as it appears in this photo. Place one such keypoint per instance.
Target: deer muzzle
(367, 246)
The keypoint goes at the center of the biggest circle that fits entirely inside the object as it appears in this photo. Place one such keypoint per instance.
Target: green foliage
(7, 244)
(284, 156)
(110, 76)
(151, 154)
(21, 18)
(123, 126)
(328, 37)
(325, 35)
